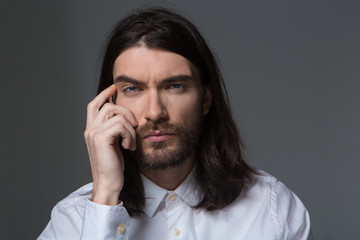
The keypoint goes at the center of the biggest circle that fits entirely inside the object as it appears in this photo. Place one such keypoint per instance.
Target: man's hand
(106, 124)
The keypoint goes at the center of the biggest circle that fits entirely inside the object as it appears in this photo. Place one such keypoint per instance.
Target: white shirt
(266, 210)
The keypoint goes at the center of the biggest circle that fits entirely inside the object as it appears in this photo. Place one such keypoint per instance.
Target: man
(165, 153)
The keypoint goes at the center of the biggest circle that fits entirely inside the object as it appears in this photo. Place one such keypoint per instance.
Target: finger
(118, 126)
(110, 110)
(95, 105)
(124, 131)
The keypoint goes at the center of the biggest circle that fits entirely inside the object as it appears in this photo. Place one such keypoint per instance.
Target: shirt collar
(189, 191)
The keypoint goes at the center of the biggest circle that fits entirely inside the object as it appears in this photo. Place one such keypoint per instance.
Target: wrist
(105, 196)
(105, 199)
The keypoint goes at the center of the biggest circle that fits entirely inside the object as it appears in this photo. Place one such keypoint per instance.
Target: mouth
(158, 136)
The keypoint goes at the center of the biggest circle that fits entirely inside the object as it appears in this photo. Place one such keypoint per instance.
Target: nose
(155, 107)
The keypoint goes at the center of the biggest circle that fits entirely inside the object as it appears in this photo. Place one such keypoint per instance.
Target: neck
(170, 178)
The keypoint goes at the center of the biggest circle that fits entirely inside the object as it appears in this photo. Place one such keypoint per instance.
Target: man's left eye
(177, 86)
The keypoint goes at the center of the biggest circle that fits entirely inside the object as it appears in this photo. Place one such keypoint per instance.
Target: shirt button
(177, 232)
(172, 197)
(121, 229)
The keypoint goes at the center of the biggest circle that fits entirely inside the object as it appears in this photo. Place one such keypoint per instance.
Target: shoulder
(283, 208)
(67, 215)
(75, 203)
(264, 184)
(268, 186)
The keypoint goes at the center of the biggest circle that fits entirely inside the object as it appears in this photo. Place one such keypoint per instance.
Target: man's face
(162, 89)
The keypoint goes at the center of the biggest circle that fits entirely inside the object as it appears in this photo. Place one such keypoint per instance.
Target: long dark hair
(222, 172)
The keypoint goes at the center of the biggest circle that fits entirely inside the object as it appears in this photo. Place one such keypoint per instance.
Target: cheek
(183, 111)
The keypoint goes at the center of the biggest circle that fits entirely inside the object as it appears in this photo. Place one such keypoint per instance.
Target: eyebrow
(171, 79)
(126, 79)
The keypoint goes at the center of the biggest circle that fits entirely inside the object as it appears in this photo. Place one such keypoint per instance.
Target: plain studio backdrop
(292, 72)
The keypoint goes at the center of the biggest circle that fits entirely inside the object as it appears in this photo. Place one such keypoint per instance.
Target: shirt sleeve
(94, 222)
(290, 215)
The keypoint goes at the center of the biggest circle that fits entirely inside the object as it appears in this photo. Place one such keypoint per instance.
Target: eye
(178, 87)
(132, 90)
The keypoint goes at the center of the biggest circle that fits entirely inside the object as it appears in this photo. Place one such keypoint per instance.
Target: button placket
(175, 207)
(173, 197)
(121, 229)
(177, 232)
(171, 200)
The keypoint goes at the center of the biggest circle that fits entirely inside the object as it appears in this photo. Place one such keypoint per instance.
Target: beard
(169, 153)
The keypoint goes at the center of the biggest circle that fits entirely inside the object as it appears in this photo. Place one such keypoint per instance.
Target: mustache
(152, 125)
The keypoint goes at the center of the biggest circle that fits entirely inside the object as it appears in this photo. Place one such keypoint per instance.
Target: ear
(207, 100)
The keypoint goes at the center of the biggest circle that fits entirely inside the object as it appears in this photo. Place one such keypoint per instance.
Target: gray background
(291, 67)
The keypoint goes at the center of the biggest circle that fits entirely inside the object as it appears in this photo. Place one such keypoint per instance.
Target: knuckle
(90, 105)
(89, 134)
(86, 134)
(120, 127)
(106, 107)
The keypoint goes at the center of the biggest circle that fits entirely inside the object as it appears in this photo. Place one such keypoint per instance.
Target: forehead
(144, 63)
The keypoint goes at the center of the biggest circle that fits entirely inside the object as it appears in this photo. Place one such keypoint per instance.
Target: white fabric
(267, 210)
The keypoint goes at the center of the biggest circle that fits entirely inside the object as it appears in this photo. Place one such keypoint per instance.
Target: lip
(158, 136)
